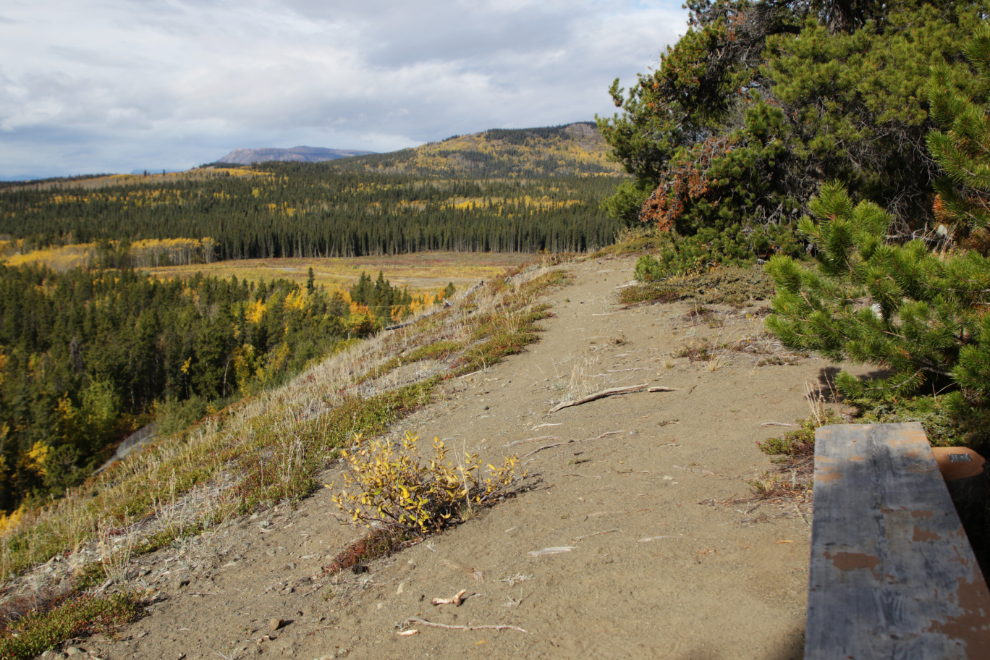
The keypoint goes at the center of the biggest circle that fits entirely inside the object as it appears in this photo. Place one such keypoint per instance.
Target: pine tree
(916, 311)
(963, 152)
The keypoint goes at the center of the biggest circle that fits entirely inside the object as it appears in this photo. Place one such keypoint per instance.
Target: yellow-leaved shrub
(392, 486)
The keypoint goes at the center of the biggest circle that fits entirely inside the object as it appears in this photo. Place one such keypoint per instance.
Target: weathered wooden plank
(892, 573)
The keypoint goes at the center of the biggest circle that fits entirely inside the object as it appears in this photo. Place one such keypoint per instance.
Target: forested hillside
(574, 149)
(88, 355)
(306, 210)
(501, 190)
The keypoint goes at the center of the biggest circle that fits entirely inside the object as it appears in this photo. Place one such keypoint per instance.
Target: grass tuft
(40, 630)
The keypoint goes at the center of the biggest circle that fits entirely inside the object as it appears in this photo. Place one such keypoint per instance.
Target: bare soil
(668, 552)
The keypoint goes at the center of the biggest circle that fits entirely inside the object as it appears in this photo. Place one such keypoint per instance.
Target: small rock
(275, 623)
(73, 650)
(291, 566)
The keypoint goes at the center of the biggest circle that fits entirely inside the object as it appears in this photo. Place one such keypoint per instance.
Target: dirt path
(662, 563)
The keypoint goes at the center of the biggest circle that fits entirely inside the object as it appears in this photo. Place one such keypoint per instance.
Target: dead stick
(542, 437)
(444, 625)
(586, 476)
(542, 448)
(661, 388)
(601, 436)
(598, 395)
(607, 531)
(776, 424)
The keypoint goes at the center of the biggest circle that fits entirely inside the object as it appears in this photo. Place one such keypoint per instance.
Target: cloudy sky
(92, 86)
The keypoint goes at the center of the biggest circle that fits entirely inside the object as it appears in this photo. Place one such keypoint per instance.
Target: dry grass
(268, 448)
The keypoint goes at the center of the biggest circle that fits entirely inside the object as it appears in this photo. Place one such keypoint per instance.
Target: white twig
(542, 437)
(607, 433)
(654, 538)
(443, 625)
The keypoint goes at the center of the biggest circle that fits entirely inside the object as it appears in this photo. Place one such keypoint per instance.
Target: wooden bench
(892, 572)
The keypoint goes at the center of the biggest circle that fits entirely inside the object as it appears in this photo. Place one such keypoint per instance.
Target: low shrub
(394, 488)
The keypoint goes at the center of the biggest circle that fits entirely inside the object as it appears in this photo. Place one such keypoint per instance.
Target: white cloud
(115, 85)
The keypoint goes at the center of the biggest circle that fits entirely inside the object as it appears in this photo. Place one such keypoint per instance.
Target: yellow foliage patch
(35, 459)
(396, 488)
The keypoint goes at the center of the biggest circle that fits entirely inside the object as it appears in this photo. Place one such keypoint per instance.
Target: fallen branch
(608, 433)
(444, 625)
(598, 395)
(661, 388)
(575, 474)
(777, 424)
(607, 531)
(557, 444)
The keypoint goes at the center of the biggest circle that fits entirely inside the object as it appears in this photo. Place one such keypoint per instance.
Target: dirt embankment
(660, 549)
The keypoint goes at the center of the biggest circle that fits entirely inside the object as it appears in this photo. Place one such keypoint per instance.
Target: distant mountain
(571, 149)
(297, 154)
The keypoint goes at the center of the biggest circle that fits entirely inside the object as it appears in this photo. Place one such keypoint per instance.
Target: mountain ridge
(301, 154)
(564, 150)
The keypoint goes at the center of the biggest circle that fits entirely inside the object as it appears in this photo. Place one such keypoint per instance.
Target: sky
(95, 86)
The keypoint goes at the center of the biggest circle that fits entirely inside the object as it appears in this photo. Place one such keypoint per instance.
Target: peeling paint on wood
(881, 505)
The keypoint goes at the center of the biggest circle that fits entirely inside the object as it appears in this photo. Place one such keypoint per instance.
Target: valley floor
(670, 556)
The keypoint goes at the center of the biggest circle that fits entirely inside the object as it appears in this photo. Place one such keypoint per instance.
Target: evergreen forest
(89, 355)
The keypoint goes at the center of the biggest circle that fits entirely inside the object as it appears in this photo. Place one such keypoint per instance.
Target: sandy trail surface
(667, 553)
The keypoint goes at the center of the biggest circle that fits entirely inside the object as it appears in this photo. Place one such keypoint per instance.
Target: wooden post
(892, 572)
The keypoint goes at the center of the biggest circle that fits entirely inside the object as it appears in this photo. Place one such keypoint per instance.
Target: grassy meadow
(421, 272)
